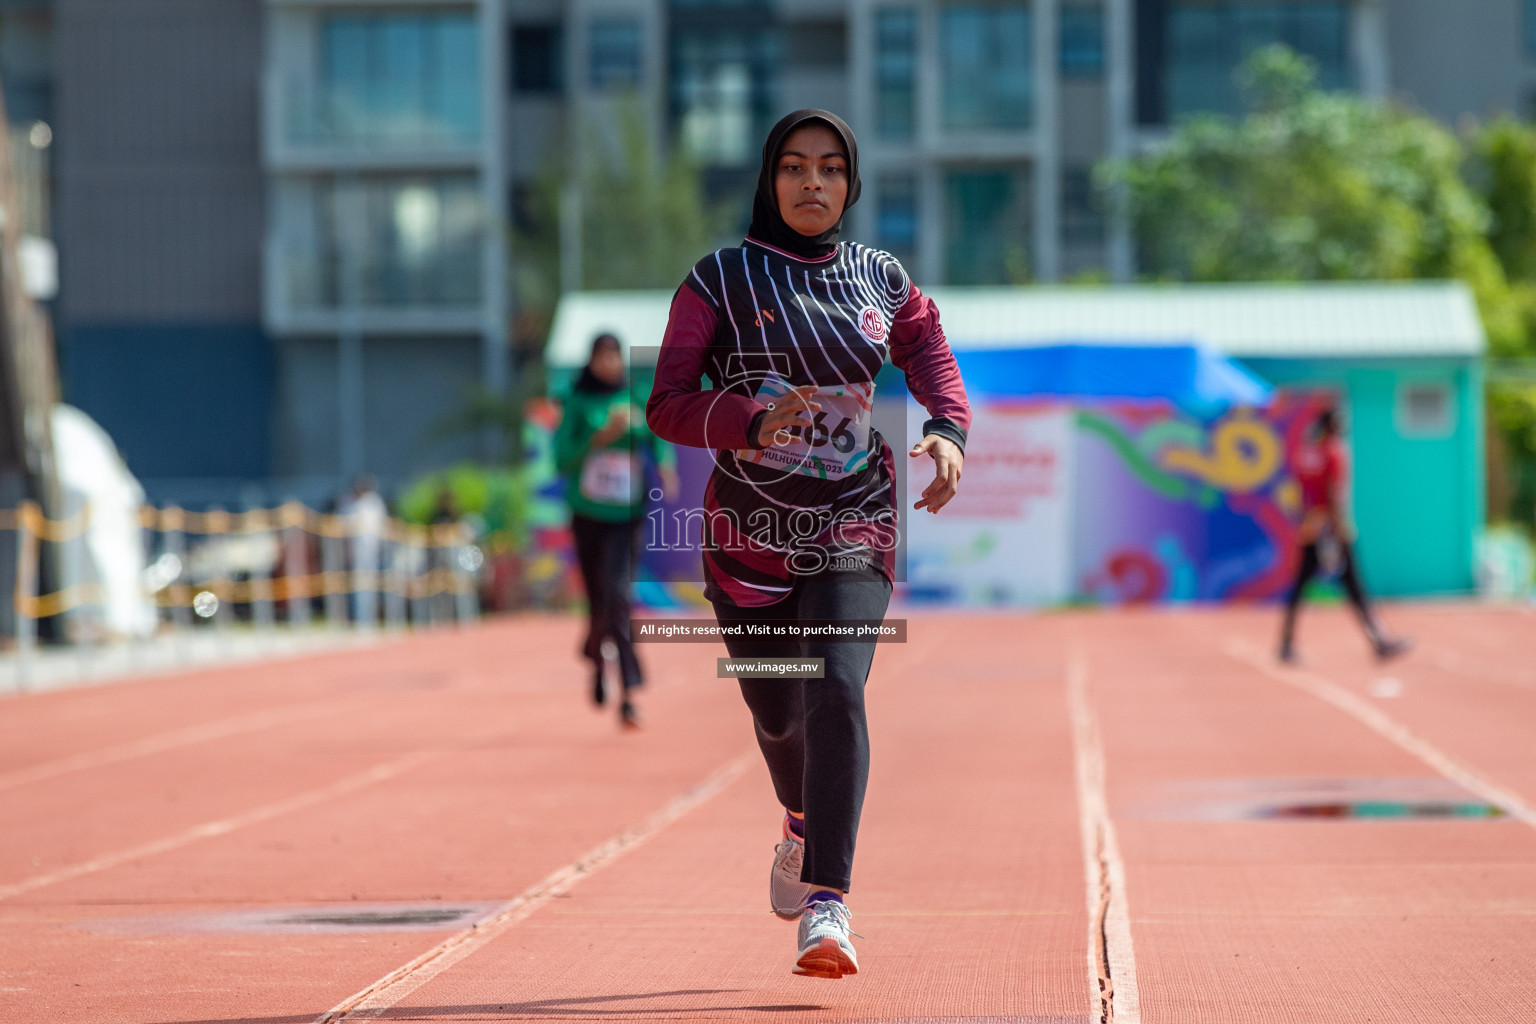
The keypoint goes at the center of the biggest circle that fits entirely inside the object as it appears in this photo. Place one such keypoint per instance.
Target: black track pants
(1349, 576)
(812, 732)
(606, 554)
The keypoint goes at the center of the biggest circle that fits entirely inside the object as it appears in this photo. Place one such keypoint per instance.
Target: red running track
(1053, 797)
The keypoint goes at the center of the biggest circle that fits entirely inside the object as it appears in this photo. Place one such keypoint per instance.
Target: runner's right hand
(792, 410)
(616, 426)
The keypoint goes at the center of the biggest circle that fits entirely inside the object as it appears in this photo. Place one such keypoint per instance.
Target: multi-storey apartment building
(283, 223)
(385, 273)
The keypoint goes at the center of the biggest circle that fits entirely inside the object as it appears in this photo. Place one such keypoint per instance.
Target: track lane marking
(223, 826)
(1386, 726)
(378, 998)
(160, 742)
(1111, 955)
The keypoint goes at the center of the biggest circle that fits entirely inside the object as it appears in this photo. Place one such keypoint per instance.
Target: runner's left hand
(947, 463)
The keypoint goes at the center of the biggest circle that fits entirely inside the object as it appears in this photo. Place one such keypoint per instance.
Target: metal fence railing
(264, 567)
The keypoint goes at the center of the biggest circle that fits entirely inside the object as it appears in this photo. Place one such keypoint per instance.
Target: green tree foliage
(496, 501)
(1505, 174)
(644, 215)
(1316, 186)
(1310, 186)
(1504, 171)
(644, 221)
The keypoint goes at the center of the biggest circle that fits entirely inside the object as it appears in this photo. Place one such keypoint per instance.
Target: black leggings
(812, 732)
(606, 554)
(1310, 562)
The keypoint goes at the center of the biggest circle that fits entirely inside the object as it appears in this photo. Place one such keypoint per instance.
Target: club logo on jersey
(763, 314)
(872, 324)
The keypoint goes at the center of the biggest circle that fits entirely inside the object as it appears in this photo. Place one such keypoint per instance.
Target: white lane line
(377, 999)
(1385, 725)
(193, 734)
(1111, 956)
(223, 826)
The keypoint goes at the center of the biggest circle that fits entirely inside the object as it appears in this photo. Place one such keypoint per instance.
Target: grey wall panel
(307, 429)
(1452, 58)
(179, 245)
(825, 89)
(535, 137)
(1084, 133)
(412, 386)
(160, 80)
(160, 186)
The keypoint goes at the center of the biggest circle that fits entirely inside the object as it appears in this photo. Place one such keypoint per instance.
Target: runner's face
(811, 180)
(608, 365)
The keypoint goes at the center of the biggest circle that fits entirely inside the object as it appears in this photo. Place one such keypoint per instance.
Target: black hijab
(768, 224)
(591, 382)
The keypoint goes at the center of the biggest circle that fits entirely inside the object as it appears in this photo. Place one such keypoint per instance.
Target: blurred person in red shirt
(1321, 469)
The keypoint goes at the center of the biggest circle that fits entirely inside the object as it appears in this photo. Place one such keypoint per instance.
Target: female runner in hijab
(790, 328)
(601, 450)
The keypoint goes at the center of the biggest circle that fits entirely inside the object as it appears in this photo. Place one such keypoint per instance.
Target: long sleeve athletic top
(583, 413)
(753, 320)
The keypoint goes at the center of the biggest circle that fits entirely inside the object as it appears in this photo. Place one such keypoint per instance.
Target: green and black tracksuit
(605, 488)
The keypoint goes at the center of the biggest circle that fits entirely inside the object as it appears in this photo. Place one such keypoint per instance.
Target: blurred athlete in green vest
(601, 449)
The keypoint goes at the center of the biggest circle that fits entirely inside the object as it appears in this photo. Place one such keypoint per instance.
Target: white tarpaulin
(1006, 537)
(111, 553)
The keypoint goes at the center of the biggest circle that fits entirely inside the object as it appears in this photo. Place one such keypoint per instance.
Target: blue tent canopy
(1191, 376)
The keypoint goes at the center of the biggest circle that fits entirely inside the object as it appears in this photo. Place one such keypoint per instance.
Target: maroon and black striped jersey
(755, 320)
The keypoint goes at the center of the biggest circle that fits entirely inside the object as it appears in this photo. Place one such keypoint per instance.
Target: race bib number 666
(834, 445)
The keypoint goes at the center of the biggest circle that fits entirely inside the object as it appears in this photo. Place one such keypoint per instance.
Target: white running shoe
(786, 893)
(826, 951)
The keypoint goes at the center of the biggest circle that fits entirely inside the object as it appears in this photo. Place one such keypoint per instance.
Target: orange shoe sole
(828, 960)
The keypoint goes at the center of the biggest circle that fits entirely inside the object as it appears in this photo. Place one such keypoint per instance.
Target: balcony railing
(314, 117)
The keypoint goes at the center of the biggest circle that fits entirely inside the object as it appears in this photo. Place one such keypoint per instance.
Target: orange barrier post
(25, 598)
(296, 573)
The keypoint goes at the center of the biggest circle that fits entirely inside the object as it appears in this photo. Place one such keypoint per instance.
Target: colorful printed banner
(1006, 538)
(1118, 502)
(1096, 500)
(1171, 508)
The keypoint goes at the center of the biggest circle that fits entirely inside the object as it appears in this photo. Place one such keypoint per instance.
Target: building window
(1082, 40)
(1082, 212)
(1208, 42)
(614, 53)
(895, 72)
(721, 79)
(1425, 410)
(716, 125)
(382, 241)
(538, 59)
(403, 79)
(986, 229)
(525, 209)
(985, 64)
(896, 221)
